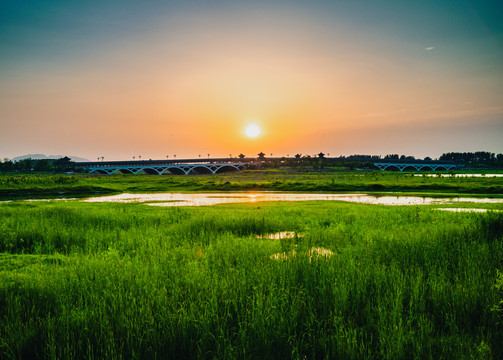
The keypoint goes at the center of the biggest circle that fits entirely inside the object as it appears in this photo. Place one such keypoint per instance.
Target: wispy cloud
(430, 48)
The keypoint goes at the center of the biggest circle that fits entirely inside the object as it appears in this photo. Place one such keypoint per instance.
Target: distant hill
(43, 156)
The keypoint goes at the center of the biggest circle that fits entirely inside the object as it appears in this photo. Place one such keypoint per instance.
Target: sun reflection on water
(205, 199)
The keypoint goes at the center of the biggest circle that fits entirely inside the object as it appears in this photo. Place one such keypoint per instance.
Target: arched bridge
(398, 164)
(415, 165)
(159, 167)
(220, 165)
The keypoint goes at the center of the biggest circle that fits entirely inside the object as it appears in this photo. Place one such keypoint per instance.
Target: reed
(84, 280)
(30, 186)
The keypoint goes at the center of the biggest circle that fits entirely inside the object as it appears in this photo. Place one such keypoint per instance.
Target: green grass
(33, 186)
(82, 280)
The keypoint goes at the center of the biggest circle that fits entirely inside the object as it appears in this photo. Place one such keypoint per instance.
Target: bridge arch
(176, 170)
(167, 171)
(410, 168)
(226, 168)
(391, 168)
(201, 170)
(150, 171)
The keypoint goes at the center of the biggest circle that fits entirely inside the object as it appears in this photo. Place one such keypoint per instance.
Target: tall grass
(81, 280)
(28, 186)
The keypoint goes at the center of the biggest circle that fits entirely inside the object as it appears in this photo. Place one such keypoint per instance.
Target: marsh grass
(31, 186)
(81, 280)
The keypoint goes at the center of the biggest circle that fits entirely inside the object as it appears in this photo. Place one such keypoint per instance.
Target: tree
(241, 156)
(391, 156)
(261, 156)
(64, 164)
(43, 165)
(6, 164)
(469, 158)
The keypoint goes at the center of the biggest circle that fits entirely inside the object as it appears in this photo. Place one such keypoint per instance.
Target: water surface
(204, 199)
(461, 175)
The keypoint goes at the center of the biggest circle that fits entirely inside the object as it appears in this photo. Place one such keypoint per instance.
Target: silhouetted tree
(64, 164)
(7, 164)
(43, 165)
(477, 159)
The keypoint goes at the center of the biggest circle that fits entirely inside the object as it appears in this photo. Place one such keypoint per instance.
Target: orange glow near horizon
(188, 83)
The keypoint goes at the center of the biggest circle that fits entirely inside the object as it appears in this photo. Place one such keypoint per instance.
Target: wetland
(261, 279)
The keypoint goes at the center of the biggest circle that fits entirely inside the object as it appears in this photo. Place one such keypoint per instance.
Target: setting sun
(252, 130)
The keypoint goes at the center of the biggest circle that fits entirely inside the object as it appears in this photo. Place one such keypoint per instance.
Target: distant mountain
(43, 156)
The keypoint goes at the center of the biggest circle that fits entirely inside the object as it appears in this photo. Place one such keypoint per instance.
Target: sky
(123, 79)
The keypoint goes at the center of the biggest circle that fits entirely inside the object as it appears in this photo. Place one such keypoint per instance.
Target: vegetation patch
(80, 185)
(88, 280)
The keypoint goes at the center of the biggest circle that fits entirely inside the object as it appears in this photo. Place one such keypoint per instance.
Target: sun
(252, 130)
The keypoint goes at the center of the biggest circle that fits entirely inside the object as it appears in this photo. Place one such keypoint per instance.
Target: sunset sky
(156, 78)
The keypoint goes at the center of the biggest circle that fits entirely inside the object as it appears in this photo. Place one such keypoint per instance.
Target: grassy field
(121, 281)
(29, 186)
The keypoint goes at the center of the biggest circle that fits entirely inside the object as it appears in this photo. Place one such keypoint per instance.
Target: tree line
(64, 164)
(478, 159)
(475, 159)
